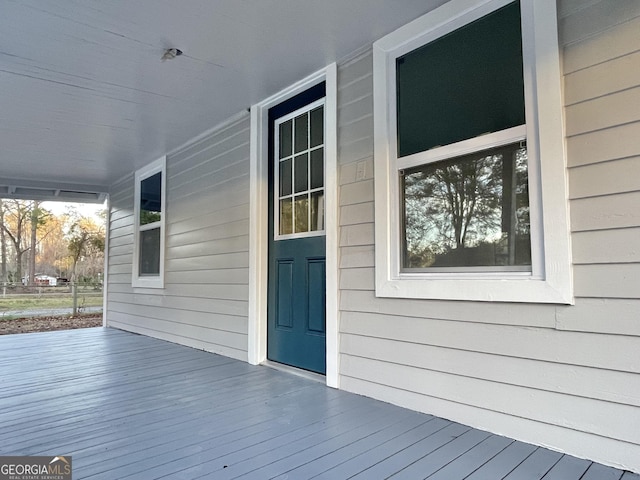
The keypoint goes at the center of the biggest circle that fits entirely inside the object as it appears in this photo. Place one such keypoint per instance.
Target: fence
(40, 299)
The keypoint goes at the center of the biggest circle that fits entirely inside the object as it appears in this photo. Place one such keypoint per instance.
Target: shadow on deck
(130, 406)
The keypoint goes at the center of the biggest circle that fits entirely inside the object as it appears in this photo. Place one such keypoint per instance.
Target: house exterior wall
(564, 376)
(204, 302)
(567, 377)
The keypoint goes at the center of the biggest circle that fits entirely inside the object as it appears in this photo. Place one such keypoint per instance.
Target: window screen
(462, 85)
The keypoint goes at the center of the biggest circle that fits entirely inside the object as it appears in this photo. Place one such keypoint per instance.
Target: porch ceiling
(85, 97)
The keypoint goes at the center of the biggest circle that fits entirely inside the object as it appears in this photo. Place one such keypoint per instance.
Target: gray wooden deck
(129, 406)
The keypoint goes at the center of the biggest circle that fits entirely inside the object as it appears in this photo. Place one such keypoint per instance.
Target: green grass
(58, 300)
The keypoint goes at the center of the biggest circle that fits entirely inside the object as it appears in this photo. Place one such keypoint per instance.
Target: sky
(85, 209)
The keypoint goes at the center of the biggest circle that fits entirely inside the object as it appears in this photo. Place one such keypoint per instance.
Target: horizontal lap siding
(205, 300)
(564, 376)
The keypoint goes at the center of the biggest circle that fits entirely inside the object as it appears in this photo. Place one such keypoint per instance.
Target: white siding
(563, 376)
(204, 302)
(567, 377)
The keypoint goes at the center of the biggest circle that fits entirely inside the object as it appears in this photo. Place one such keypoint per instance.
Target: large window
(148, 263)
(470, 166)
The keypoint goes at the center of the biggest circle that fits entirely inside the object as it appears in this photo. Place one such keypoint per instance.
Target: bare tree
(39, 217)
(17, 214)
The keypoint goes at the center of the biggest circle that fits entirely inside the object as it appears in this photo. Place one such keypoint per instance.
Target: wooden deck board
(430, 464)
(536, 465)
(129, 406)
(330, 467)
(504, 462)
(568, 467)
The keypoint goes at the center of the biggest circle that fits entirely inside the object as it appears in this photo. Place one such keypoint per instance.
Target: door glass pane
(299, 201)
(317, 127)
(285, 139)
(301, 173)
(317, 168)
(285, 177)
(301, 214)
(317, 211)
(286, 216)
(301, 133)
(149, 252)
(469, 211)
(151, 199)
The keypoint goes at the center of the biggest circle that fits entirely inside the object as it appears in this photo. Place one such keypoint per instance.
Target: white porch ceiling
(85, 98)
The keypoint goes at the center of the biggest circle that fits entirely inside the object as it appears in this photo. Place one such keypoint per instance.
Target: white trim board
(258, 234)
(105, 279)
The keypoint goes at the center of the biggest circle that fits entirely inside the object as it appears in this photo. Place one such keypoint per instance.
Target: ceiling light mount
(171, 53)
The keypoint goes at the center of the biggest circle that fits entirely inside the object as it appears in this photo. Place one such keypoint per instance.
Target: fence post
(74, 290)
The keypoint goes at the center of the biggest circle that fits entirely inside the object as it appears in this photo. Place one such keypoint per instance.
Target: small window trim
(550, 280)
(149, 281)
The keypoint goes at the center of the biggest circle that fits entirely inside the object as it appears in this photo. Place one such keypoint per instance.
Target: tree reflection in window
(469, 211)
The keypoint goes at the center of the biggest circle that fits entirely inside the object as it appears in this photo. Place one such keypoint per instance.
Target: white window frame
(149, 281)
(276, 176)
(550, 279)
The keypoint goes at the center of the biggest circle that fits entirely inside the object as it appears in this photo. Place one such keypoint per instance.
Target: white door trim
(258, 234)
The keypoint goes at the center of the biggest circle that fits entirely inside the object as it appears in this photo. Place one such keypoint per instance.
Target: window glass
(317, 127)
(469, 211)
(151, 199)
(285, 139)
(301, 133)
(149, 252)
(286, 216)
(317, 211)
(317, 168)
(301, 173)
(462, 85)
(285, 177)
(301, 209)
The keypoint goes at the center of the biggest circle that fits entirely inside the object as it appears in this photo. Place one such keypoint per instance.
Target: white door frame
(258, 219)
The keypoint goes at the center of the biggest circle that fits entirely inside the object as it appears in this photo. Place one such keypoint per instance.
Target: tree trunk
(3, 245)
(34, 236)
(19, 265)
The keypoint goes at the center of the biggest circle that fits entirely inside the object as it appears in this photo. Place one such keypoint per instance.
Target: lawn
(52, 300)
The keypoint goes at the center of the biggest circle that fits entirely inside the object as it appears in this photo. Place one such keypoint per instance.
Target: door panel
(316, 303)
(297, 272)
(284, 293)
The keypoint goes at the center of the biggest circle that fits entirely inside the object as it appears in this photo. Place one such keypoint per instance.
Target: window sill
(522, 289)
(152, 282)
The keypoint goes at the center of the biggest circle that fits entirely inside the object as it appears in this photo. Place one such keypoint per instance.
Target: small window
(470, 168)
(148, 264)
(299, 167)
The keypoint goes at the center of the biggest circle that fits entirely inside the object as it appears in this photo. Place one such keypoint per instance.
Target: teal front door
(296, 279)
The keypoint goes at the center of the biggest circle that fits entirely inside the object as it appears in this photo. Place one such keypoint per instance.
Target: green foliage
(85, 238)
(148, 216)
